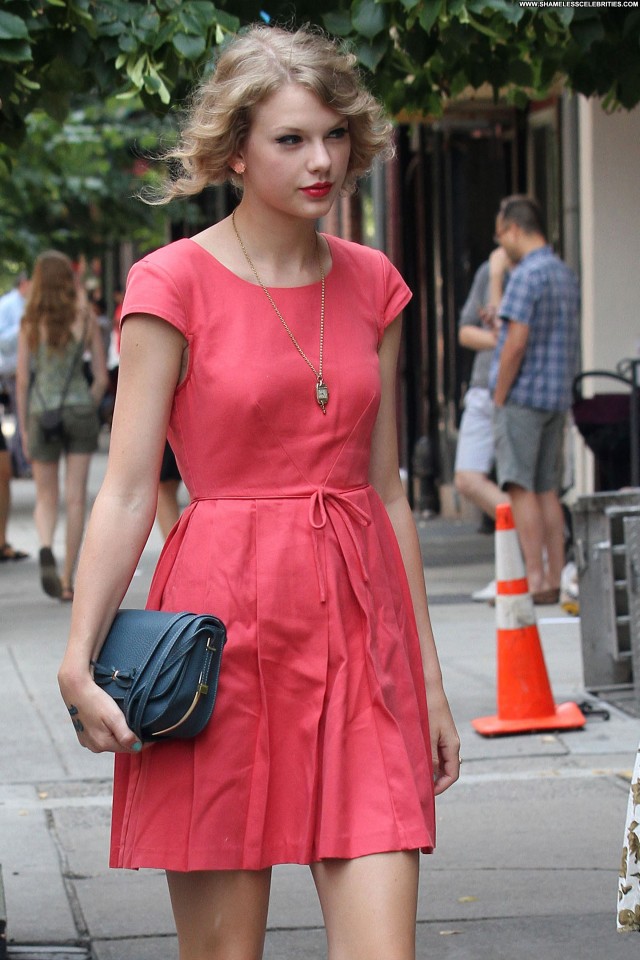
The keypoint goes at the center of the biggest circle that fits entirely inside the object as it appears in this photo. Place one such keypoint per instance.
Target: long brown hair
(52, 305)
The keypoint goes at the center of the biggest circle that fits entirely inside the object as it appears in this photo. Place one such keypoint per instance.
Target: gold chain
(322, 391)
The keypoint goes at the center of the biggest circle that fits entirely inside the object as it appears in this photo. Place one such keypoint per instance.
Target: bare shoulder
(220, 241)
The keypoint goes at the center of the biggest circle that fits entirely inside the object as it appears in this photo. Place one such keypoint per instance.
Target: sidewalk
(529, 841)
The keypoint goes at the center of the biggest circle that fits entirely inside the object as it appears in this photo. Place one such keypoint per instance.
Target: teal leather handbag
(162, 670)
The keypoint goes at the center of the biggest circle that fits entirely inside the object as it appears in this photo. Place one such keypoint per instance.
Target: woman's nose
(319, 157)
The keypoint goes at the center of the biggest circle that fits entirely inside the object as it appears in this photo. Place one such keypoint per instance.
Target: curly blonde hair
(53, 302)
(254, 65)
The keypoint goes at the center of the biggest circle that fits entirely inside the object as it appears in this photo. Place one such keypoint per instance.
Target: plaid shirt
(543, 293)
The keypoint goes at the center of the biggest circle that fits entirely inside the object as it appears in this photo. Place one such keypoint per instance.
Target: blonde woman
(56, 330)
(269, 352)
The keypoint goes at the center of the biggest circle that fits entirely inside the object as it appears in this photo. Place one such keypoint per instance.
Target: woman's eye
(339, 132)
(289, 138)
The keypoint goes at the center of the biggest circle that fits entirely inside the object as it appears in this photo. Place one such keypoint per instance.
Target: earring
(239, 168)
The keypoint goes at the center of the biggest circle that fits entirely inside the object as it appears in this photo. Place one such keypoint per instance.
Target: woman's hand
(99, 723)
(127, 503)
(445, 742)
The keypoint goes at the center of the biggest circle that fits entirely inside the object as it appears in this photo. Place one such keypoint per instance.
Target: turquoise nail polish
(137, 747)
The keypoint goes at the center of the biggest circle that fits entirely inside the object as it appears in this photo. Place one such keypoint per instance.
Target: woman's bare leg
(45, 514)
(369, 905)
(5, 493)
(221, 914)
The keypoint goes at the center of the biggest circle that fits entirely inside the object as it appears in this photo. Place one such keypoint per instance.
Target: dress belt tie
(319, 500)
(348, 511)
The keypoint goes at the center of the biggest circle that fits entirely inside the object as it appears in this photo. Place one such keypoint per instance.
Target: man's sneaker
(486, 595)
(569, 590)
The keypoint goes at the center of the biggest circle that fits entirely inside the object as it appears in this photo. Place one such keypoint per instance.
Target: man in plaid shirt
(531, 377)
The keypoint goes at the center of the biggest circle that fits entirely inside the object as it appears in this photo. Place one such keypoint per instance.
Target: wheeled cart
(606, 529)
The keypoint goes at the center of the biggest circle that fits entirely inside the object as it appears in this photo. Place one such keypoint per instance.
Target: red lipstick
(318, 190)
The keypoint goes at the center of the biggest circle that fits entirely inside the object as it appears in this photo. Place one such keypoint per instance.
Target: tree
(72, 186)
(53, 50)
(86, 86)
(419, 52)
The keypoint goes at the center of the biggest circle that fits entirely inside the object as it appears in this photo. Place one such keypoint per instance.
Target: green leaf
(512, 12)
(368, 18)
(164, 94)
(150, 20)
(190, 21)
(12, 27)
(519, 99)
(56, 105)
(411, 4)
(565, 15)
(430, 14)
(189, 47)
(482, 28)
(227, 21)
(337, 22)
(127, 94)
(12, 52)
(23, 81)
(152, 83)
(629, 89)
(586, 32)
(127, 43)
(459, 82)
(204, 9)
(136, 70)
(116, 28)
(370, 54)
(520, 72)
(146, 27)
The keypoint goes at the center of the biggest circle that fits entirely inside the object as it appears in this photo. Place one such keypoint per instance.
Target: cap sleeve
(151, 289)
(396, 295)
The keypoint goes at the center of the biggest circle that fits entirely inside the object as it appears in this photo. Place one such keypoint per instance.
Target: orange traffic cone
(524, 699)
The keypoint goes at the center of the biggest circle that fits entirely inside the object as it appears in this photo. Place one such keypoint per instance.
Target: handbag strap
(67, 382)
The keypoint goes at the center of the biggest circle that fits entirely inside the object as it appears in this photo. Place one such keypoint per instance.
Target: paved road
(529, 840)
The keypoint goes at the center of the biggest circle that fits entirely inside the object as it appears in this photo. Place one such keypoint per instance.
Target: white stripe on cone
(509, 562)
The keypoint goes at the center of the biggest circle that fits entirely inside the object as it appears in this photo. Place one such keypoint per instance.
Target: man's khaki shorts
(529, 447)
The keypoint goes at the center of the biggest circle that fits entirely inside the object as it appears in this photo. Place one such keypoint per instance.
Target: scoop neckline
(304, 286)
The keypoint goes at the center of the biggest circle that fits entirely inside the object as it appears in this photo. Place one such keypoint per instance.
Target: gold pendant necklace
(322, 390)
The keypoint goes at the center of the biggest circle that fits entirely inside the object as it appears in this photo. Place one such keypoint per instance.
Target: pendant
(322, 394)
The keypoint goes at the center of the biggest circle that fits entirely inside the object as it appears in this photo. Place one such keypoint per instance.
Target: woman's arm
(122, 516)
(98, 362)
(22, 385)
(384, 475)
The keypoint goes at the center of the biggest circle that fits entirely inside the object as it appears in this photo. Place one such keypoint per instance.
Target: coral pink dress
(319, 742)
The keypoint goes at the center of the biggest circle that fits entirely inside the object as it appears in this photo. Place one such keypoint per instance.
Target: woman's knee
(370, 905)
(220, 915)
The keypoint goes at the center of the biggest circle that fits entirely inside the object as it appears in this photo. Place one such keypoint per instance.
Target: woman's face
(296, 154)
